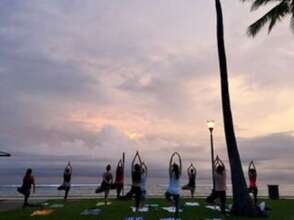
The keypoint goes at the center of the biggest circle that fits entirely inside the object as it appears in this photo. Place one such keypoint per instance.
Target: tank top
(27, 182)
(220, 181)
(136, 176)
(252, 181)
(192, 179)
(107, 176)
(119, 177)
(174, 185)
(67, 177)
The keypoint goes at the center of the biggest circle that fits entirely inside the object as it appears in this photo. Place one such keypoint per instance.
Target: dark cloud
(276, 146)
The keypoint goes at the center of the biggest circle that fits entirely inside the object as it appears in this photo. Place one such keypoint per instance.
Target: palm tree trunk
(242, 202)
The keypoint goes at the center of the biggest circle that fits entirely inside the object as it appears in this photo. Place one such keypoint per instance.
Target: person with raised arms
(144, 173)
(119, 179)
(135, 190)
(219, 191)
(25, 189)
(66, 180)
(172, 193)
(192, 172)
(106, 183)
(252, 174)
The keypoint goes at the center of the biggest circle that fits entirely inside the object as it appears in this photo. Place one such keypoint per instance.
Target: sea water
(155, 187)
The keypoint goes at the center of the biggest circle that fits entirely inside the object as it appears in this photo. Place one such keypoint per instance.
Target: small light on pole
(210, 125)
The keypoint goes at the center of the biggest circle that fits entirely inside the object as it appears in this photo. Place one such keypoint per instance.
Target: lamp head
(210, 125)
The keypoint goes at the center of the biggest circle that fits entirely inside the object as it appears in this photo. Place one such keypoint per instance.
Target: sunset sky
(87, 80)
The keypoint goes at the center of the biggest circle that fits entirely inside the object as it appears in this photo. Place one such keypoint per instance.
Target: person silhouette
(66, 185)
(220, 184)
(27, 183)
(106, 183)
(192, 172)
(135, 190)
(252, 174)
(119, 179)
(172, 193)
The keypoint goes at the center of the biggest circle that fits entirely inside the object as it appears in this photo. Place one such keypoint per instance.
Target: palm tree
(242, 202)
(277, 13)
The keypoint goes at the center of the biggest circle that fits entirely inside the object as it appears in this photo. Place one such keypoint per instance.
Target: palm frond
(257, 3)
(274, 15)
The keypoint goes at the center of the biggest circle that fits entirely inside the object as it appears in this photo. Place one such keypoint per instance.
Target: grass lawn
(281, 209)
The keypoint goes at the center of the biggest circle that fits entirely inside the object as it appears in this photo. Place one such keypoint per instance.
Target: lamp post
(210, 125)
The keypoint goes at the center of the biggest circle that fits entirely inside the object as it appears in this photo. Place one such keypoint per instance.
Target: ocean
(87, 174)
(155, 187)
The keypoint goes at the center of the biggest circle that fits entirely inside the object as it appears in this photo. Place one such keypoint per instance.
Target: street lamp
(210, 125)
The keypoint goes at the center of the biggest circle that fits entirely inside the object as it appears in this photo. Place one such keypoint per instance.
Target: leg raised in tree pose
(66, 180)
(173, 191)
(252, 174)
(136, 181)
(119, 179)
(106, 183)
(25, 189)
(192, 172)
(220, 184)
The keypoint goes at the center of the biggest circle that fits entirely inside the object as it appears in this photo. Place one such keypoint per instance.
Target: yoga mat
(143, 209)
(91, 212)
(103, 203)
(216, 208)
(171, 209)
(152, 205)
(192, 204)
(54, 206)
(43, 212)
(212, 207)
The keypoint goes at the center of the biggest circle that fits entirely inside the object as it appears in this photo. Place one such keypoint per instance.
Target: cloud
(276, 146)
(78, 78)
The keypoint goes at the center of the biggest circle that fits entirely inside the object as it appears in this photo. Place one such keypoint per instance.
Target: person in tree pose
(173, 191)
(220, 184)
(144, 173)
(252, 174)
(106, 183)
(25, 189)
(66, 180)
(119, 179)
(192, 172)
(135, 190)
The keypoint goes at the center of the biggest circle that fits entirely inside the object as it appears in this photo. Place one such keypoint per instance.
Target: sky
(87, 80)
